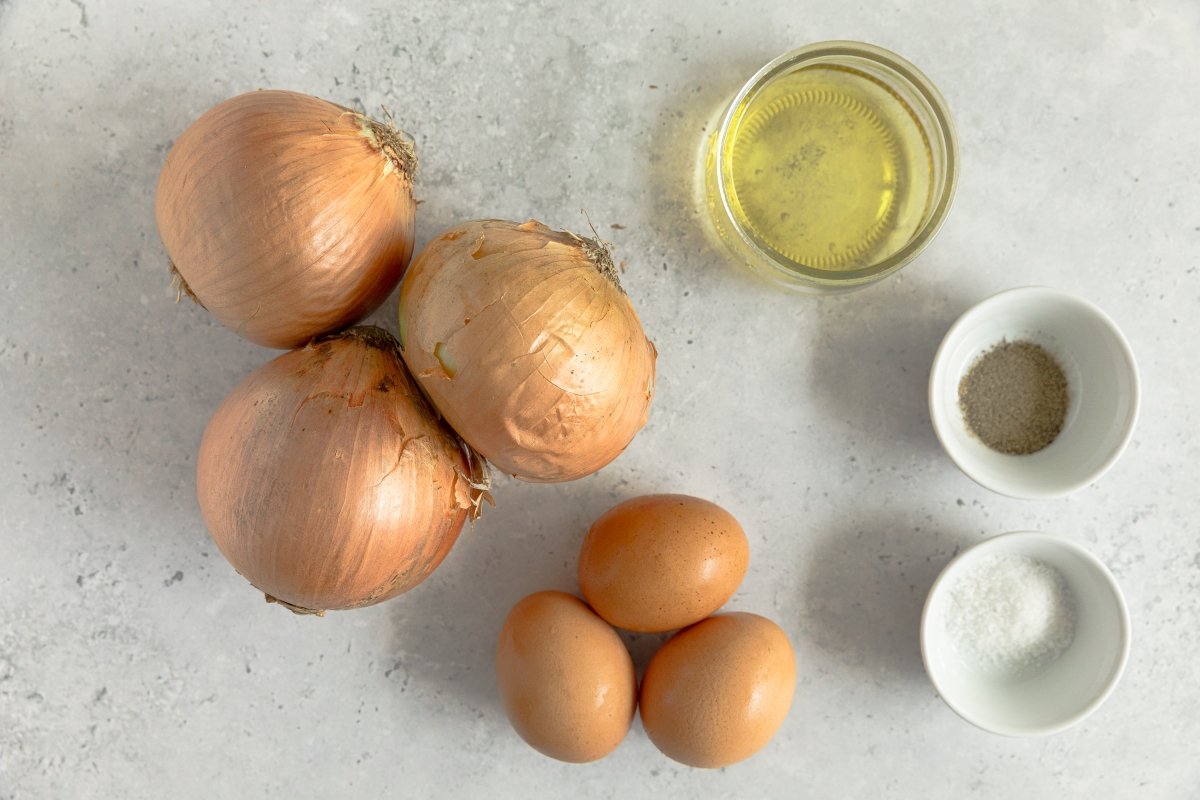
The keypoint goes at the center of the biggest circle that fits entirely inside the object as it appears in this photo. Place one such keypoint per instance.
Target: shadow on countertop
(870, 364)
(864, 588)
(689, 113)
(443, 639)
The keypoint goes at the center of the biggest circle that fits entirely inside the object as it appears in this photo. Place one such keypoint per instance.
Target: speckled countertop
(135, 663)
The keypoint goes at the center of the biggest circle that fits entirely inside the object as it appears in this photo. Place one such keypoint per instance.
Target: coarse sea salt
(1011, 614)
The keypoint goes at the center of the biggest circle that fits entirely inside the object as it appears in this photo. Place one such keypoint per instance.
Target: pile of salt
(1012, 614)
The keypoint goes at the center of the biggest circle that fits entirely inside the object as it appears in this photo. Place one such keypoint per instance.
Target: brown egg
(566, 680)
(662, 561)
(716, 692)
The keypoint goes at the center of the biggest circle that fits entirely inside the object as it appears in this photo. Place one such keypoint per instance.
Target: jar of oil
(833, 167)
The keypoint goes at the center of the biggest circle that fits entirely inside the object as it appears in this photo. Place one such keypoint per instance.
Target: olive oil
(827, 168)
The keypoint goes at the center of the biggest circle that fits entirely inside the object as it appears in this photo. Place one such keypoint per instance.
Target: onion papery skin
(524, 341)
(328, 482)
(287, 216)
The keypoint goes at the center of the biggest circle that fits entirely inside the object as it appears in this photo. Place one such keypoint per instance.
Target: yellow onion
(287, 216)
(327, 480)
(524, 341)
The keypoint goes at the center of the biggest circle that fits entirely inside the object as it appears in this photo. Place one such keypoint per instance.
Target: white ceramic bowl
(1102, 383)
(1065, 691)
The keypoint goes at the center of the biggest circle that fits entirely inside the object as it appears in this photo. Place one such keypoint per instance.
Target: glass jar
(832, 168)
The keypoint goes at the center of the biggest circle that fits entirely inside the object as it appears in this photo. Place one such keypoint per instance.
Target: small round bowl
(1067, 690)
(1102, 383)
(878, 91)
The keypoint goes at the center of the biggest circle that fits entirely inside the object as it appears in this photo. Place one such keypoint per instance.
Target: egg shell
(717, 692)
(566, 679)
(662, 561)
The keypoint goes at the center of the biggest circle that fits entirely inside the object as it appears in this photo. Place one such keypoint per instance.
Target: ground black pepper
(1014, 398)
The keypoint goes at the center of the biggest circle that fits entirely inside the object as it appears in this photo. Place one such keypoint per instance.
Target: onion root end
(396, 145)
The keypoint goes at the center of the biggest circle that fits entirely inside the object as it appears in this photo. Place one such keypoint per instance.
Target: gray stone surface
(134, 662)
